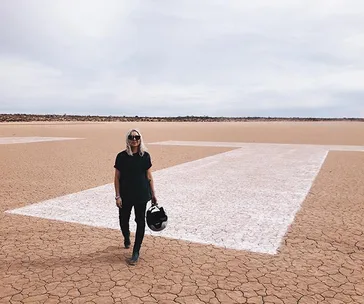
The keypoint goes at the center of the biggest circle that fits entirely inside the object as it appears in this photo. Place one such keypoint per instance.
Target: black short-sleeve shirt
(134, 183)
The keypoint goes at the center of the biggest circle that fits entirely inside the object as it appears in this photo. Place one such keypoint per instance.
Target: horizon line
(8, 117)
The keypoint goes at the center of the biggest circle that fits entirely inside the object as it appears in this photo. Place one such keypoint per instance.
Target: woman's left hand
(154, 201)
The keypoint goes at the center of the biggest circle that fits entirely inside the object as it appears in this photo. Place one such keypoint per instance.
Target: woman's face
(134, 139)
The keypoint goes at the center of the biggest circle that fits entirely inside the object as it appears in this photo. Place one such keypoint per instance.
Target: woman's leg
(124, 217)
(139, 209)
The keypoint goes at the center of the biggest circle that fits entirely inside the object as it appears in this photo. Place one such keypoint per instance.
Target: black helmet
(156, 218)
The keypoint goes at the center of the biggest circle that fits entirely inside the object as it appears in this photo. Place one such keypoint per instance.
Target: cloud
(172, 58)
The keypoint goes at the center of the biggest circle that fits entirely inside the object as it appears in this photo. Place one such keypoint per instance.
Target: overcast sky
(186, 57)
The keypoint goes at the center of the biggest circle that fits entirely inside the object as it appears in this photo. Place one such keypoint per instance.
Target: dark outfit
(134, 192)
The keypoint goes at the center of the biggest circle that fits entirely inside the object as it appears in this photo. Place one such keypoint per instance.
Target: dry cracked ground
(42, 261)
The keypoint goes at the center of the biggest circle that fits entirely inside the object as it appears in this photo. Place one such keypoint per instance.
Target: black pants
(124, 217)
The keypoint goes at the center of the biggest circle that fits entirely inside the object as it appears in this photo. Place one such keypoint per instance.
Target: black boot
(127, 242)
(134, 258)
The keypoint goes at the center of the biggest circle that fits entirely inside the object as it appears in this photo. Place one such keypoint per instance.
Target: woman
(134, 188)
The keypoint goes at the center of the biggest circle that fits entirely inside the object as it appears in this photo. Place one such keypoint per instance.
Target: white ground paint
(262, 145)
(242, 199)
(24, 140)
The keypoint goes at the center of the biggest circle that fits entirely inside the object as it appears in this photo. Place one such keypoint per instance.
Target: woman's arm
(151, 182)
(117, 188)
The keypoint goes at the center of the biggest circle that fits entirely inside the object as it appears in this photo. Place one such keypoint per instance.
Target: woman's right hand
(119, 202)
(154, 201)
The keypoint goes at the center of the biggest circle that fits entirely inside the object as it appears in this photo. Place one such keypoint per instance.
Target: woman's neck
(134, 149)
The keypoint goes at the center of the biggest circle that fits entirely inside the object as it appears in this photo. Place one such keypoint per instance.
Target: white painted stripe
(266, 145)
(241, 199)
(23, 140)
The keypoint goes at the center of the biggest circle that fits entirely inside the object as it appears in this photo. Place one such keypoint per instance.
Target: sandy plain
(321, 259)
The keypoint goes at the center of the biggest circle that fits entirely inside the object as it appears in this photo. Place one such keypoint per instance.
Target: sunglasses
(133, 137)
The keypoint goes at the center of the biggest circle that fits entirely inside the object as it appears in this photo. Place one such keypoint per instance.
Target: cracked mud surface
(321, 259)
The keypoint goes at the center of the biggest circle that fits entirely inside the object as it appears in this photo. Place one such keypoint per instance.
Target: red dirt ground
(320, 261)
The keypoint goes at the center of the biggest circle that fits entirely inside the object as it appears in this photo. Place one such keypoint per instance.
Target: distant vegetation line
(66, 117)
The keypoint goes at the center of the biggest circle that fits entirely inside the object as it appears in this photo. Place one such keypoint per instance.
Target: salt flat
(260, 212)
(243, 199)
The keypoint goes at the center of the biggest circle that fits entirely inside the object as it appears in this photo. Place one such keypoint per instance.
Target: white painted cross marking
(242, 199)
(24, 140)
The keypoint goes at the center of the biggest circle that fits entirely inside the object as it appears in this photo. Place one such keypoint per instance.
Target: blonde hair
(141, 149)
